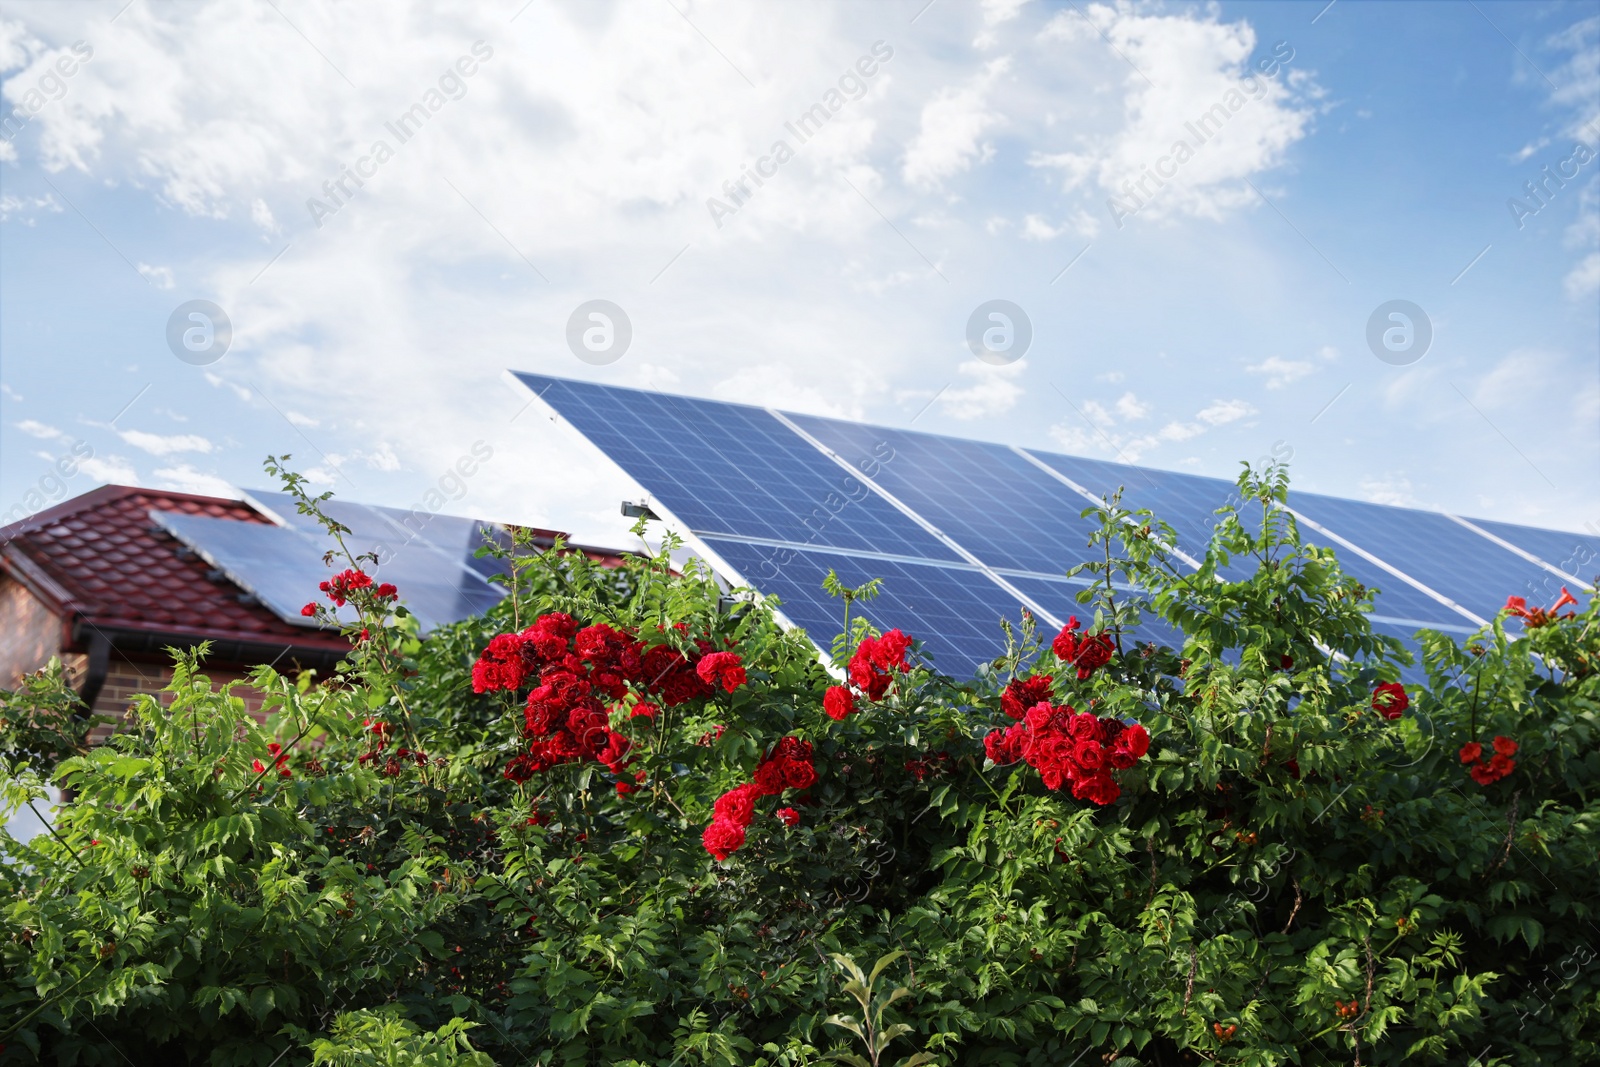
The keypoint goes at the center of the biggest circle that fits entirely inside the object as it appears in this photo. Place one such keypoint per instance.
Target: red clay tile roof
(95, 556)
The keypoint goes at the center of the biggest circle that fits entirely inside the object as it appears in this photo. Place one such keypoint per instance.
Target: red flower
(1389, 700)
(722, 839)
(1502, 765)
(788, 816)
(1470, 752)
(1087, 653)
(1136, 739)
(309, 610)
(1022, 694)
(737, 805)
(1482, 775)
(722, 667)
(624, 788)
(1565, 599)
(1504, 746)
(890, 651)
(770, 779)
(644, 710)
(387, 591)
(838, 702)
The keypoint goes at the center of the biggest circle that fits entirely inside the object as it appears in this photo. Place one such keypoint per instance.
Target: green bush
(1304, 868)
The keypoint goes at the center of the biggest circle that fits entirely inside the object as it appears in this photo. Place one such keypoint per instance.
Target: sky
(1203, 213)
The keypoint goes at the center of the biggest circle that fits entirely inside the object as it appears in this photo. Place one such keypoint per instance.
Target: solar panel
(388, 532)
(734, 469)
(282, 565)
(964, 533)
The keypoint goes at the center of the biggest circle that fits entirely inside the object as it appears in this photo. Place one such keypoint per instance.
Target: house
(111, 579)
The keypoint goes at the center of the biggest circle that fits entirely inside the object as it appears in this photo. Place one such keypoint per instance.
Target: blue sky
(1221, 321)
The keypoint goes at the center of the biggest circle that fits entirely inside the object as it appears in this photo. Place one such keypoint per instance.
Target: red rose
(770, 778)
(722, 839)
(643, 710)
(1136, 739)
(788, 816)
(1022, 694)
(838, 702)
(721, 667)
(737, 805)
(309, 609)
(1389, 700)
(798, 775)
(1470, 752)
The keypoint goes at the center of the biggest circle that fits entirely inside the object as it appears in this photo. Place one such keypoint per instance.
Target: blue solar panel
(391, 533)
(955, 610)
(990, 500)
(733, 469)
(1572, 553)
(281, 566)
(750, 485)
(1443, 555)
(1188, 503)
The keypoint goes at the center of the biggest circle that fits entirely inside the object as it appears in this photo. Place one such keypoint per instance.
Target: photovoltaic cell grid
(782, 506)
(429, 557)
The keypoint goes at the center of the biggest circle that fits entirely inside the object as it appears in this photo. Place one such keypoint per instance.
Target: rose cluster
(788, 766)
(1498, 765)
(573, 672)
(1066, 747)
(344, 585)
(1087, 652)
(871, 670)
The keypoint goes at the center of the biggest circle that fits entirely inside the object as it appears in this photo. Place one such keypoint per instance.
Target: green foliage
(1287, 878)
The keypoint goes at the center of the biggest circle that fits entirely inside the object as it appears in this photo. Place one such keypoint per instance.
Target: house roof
(98, 558)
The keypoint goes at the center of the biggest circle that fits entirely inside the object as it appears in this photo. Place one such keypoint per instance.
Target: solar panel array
(964, 533)
(428, 557)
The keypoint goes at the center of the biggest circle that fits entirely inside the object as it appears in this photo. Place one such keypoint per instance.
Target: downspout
(99, 665)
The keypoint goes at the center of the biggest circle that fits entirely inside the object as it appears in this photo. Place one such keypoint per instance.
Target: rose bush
(628, 819)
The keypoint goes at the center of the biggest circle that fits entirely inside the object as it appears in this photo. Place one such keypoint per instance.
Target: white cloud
(217, 381)
(1222, 412)
(1195, 81)
(297, 419)
(186, 479)
(1391, 489)
(1102, 439)
(994, 393)
(1583, 280)
(110, 470)
(261, 215)
(1280, 372)
(26, 208)
(165, 445)
(1131, 407)
(160, 277)
(953, 123)
(38, 429)
(1516, 379)
(1578, 79)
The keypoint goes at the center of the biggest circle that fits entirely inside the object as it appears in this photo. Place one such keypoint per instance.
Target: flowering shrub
(625, 819)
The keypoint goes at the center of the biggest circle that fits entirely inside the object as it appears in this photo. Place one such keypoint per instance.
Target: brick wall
(126, 679)
(29, 633)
